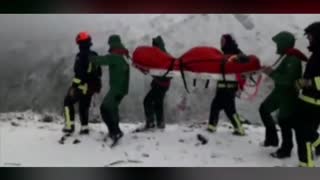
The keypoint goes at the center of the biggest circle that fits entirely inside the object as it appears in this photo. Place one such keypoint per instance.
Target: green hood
(115, 42)
(284, 41)
(159, 43)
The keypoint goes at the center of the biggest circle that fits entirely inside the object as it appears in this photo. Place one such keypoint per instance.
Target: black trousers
(306, 124)
(286, 127)
(153, 104)
(271, 136)
(84, 105)
(224, 100)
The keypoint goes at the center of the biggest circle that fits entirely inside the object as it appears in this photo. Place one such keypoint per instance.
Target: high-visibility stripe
(310, 100)
(67, 117)
(309, 155)
(317, 82)
(316, 143)
(212, 127)
(84, 88)
(89, 68)
(76, 80)
(226, 85)
(238, 122)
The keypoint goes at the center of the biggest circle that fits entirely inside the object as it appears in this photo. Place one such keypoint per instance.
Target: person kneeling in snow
(119, 84)
(226, 91)
(284, 95)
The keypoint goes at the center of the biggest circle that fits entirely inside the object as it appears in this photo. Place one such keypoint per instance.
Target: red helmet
(83, 37)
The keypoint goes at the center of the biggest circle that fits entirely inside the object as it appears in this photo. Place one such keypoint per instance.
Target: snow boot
(69, 130)
(271, 139)
(281, 154)
(317, 151)
(115, 138)
(150, 125)
(84, 130)
(161, 125)
(238, 133)
(267, 143)
(211, 128)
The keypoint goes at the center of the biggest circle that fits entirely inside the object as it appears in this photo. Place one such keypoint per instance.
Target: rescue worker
(283, 96)
(153, 102)
(86, 82)
(307, 116)
(119, 84)
(226, 91)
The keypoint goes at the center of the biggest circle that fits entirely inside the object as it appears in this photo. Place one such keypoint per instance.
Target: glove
(243, 58)
(303, 83)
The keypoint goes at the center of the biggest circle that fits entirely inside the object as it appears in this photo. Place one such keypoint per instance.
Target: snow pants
(110, 111)
(285, 102)
(225, 100)
(306, 124)
(84, 105)
(153, 104)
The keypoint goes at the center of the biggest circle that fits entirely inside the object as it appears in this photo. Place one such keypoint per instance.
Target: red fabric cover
(147, 57)
(199, 60)
(208, 60)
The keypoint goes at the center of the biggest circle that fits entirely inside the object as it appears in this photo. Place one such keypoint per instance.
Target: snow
(31, 143)
(36, 71)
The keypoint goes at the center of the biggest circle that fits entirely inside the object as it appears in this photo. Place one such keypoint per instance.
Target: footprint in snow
(145, 155)
(238, 159)
(135, 137)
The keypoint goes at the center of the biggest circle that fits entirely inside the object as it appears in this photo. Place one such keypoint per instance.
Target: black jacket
(312, 71)
(84, 70)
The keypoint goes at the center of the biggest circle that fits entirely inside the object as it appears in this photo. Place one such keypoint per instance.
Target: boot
(69, 130)
(117, 136)
(84, 130)
(281, 154)
(238, 133)
(161, 125)
(211, 128)
(150, 125)
(271, 138)
(317, 151)
(268, 143)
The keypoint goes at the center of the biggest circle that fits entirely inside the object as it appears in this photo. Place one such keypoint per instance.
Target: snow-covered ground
(26, 141)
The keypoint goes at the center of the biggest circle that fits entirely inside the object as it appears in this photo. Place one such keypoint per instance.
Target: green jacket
(290, 68)
(283, 96)
(119, 70)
